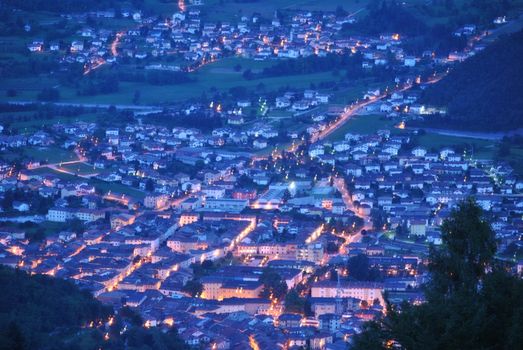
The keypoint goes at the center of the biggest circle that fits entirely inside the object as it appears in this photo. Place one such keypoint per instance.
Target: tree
(481, 89)
(149, 185)
(273, 284)
(470, 247)
(378, 219)
(471, 301)
(77, 225)
(360, 270)
(294, 303)
(49, 95)
(136, 97)
(193, 287)
(15, 336)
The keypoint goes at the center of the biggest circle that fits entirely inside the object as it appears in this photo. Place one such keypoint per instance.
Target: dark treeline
(202, 121)
(37, 306)
(312, 64)
(31, 67)
(484, 92)
(39, 312)
(391, 16)
(155, 77)
(98, 84)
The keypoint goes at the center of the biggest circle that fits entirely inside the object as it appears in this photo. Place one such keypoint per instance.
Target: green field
(41, 154)
(117, 188)
(50, 154)
(79, 168)
(216, 77)
(98, 184)
(363, 124)
(483, 149)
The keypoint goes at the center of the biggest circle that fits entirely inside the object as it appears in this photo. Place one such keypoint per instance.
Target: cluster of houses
(188, 35)
(182, 228)
(243, 216)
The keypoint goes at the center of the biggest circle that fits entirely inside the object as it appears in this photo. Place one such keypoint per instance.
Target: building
(155, 201)
(65, 214)
(226, 204)
(365, 291)
(217, 288)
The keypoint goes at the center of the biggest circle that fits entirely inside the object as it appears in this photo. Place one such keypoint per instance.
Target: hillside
(484, 92)
(40, 312)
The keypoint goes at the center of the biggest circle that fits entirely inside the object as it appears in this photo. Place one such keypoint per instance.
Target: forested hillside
(484, 92)
(39, 312)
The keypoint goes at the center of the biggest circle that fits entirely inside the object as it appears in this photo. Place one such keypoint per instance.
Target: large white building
(64, 214)
(368, 291)
(226, 204)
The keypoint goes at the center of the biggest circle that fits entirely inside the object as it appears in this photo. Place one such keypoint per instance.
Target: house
(316, 150)
(302, 105)
(226, 204)
(155, 201)
(419, 152)
(409, 61)
(57, 214)
(367, 291)
(418, 227)
(243, 103)
(259, 143)
(20, 206)
(282, 102)
(235, 120)
(322, 98)
(77, 46)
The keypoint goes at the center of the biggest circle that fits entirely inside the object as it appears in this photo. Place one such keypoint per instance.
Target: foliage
(49, 95)
(390, 16)
(273, 284)
(472, 302)
(97, 85)
(193, 287)
(202, 121)
(360, 270)
(167, 78)
(483, 92)
(33, 307)
(40, 312)
(296, 304)
(312, 64)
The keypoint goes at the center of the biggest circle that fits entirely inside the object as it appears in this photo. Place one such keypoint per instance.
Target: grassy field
(483, 149)
(216, 77)
(79, 168)
(98, 184)
(117, 188)
(41, 154)
(363, 124)
(50, 154)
